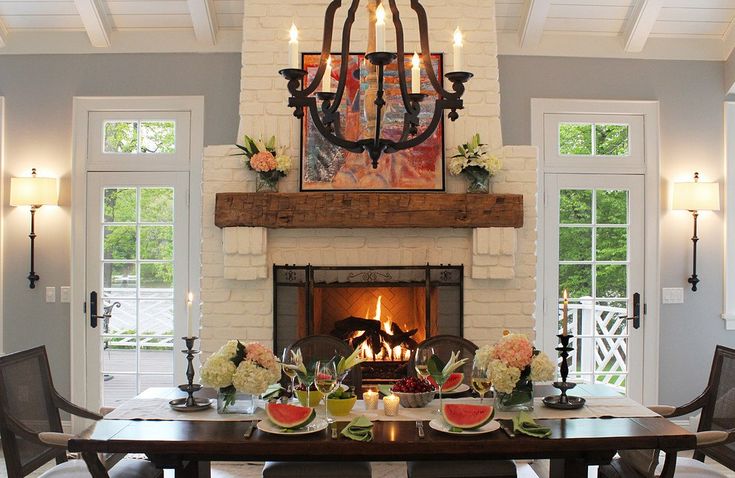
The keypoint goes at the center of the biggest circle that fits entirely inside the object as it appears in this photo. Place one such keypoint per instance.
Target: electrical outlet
(50, 294)
(672, 295)
(65, 294)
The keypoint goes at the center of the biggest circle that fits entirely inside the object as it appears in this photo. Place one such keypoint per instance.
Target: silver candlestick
(190, 403)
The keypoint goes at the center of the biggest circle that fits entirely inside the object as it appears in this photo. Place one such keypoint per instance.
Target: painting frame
(425, 164)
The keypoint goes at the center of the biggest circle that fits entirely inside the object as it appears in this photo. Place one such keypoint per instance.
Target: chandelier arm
(401, 62)
(345, 54)
(379, 103)
(352, 146)
(326, 46)
(426, 51)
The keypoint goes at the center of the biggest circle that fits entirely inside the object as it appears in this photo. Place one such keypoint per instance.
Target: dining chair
(443, 346)
(313, 348)
(30, 423)
(715, 434)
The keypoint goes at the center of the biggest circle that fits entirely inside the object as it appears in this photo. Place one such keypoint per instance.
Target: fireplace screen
(382, 311)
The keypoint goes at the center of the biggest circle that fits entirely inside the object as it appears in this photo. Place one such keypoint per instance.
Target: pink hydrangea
(514, 350)
(263, 162)
(260, 354)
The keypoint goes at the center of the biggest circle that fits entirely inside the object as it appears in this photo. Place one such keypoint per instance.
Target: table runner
(596, 407)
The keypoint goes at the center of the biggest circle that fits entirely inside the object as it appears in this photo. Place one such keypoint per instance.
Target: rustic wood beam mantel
(367, 210)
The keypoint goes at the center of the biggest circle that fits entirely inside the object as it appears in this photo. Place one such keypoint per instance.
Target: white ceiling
(696, 29)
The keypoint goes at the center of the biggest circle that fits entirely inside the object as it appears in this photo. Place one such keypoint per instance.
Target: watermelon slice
(454, 381)
(289, 416)
(467, 417)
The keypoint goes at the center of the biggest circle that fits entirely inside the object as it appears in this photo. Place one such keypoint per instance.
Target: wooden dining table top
(573, 444)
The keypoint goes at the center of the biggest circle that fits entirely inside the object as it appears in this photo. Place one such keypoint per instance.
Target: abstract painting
(325, 166)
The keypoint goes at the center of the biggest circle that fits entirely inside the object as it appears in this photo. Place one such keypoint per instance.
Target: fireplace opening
(383, 312)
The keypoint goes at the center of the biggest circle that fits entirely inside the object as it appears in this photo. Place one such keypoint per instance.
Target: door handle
(107, 310)
(636, 317)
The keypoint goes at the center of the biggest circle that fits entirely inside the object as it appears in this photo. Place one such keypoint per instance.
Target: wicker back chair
(715, 435)
(325, 347)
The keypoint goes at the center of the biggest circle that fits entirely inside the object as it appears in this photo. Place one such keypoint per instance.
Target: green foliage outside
(575, 139)
(131, 137)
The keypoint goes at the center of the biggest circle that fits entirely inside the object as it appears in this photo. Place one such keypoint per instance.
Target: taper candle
(415, 74)
(564, 316)
(189, 318)
(293, 47)
(327, 78)
(380, 28)
(458, 50)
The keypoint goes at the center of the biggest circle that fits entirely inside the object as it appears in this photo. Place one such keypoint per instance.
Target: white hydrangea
(483, 355)
(217, 371)
(228, 350)
(542, 368)
(252, 378)
(504, 378)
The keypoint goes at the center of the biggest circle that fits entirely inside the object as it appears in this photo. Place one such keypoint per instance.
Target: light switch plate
(50, 294)
(65, 294)
(672, 295)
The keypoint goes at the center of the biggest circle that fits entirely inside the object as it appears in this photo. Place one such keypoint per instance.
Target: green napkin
(359, 429)
(524, 423)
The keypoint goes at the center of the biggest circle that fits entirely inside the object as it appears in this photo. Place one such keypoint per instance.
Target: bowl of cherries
(413, 392)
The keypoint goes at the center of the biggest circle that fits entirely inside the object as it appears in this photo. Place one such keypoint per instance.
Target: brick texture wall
(236, 289)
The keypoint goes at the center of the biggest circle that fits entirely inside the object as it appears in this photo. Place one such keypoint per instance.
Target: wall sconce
(695, 197)
(34, 192)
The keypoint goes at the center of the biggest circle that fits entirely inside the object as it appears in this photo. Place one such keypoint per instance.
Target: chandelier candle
(458, 50)
(415, 74)
(327, 80)
(380, 28)
(293, 47)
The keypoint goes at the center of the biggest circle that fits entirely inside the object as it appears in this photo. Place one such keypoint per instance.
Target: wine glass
(326, 382)
(421, 360)
(480, 379)
(288, 366)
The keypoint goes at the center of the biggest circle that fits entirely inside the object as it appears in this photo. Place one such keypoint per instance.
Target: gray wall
(691, 96)
(38, 91)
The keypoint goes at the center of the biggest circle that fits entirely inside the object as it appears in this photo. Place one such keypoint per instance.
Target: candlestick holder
(563, 401)
(190, 403)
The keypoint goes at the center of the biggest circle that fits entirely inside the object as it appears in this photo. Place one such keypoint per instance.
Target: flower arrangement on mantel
(268, 160)
(476, 164)
(236, 367)
(513, 364)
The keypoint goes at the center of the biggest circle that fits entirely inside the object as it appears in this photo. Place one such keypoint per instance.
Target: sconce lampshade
(697, 196)
(34, 191)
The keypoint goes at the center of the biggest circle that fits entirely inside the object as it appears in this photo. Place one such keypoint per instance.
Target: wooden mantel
(367, 210)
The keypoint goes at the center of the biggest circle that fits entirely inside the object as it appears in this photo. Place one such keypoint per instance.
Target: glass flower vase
(521, 398)
(478, 179)
(266, 183)
(235, 402)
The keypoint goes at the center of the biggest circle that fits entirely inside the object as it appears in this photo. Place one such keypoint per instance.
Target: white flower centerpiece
(240, 372)
(476, 164)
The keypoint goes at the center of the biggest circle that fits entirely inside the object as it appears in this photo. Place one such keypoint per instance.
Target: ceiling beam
(3, 34)
(728, 41)
(95, 22)
(533, 17)
(640, 24)
(204, 19)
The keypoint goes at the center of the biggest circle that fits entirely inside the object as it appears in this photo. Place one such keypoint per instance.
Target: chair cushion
(642, 461)
(322, 469)
(462, 469)
(691, 468)
(126, 468)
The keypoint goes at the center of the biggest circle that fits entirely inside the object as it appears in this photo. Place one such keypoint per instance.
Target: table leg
(567, 468)
(95, 466)
(194, 469)
(669, 465)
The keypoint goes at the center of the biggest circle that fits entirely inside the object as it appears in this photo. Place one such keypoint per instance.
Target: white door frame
(728, 308)
(650, 111)
(82, 108)
(2, 218)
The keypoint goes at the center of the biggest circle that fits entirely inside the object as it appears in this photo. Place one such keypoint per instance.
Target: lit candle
(189, 319)
(390, 405)
(370, 398)
(293, 48)
(380, 28)
(415, 74)
(458, 63)
(564, 317)
(327, 78)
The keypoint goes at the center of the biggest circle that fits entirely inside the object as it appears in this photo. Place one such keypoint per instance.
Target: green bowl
(339, 407)
(315, 396)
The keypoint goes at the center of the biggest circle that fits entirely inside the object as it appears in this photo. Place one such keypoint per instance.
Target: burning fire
(386, 352)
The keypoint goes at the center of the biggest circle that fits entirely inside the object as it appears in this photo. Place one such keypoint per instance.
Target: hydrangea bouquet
(475, 163)
(268, 160)
(513, 364)
(236, 367)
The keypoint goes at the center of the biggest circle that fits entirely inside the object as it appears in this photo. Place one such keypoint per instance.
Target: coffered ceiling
(691, 29)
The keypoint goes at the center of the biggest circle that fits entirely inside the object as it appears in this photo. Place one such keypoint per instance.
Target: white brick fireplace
(500, 263)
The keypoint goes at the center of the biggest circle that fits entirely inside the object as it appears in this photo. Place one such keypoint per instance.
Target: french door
(594, 249)
(137, 279)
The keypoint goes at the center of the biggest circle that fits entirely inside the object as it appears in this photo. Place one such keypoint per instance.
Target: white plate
(317, 425)
(463, 387)
(440, 425)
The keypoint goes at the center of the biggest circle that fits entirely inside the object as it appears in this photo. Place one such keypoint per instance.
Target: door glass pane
(119, 279)
(611, 140)
(597, 282)
(120, 242)
(121, 137)
(156, 204)
(157, 317)
(120, 204)
(157, 137)
(156, 242)
(575, 139)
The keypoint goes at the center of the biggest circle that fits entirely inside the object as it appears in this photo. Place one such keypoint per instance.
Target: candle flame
(190, 298)
(565, 296)
(457, 37)
(380, 15)
(294, 32)
(415, 61)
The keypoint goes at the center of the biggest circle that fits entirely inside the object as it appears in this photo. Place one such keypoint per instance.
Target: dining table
(188, 445)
